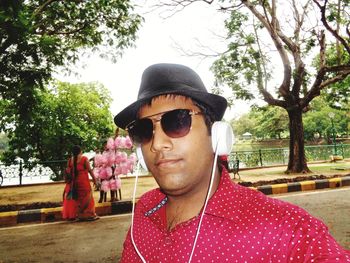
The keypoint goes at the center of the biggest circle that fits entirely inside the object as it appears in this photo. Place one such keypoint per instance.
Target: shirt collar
(224, 203)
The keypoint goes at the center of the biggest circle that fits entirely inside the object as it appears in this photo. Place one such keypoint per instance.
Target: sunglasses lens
(176, 123)
(141, 131)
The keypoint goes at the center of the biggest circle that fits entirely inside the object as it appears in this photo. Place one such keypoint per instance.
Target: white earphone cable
(132, 221)
(206, 202)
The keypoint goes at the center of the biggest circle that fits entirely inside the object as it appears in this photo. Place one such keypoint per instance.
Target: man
(171, 122)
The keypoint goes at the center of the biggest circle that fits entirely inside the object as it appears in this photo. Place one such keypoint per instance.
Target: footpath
(40, 203)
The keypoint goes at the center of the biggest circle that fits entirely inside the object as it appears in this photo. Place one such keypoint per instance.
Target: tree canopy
(317, 121)
(64, 114)
(269, 122)
(262, 122)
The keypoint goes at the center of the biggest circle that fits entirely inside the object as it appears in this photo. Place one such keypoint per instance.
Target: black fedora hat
(163, 78)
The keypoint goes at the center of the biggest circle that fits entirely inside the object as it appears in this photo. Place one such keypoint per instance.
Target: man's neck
(180, 209)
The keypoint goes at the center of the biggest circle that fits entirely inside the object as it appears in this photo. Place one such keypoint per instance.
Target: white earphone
(222, 139)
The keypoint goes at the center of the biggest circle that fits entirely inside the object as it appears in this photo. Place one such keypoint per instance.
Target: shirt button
(167, 241)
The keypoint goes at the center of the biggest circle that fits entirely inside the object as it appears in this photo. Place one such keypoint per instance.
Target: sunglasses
(175, 124)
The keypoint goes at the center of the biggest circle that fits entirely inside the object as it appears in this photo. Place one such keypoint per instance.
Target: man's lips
(167, 162)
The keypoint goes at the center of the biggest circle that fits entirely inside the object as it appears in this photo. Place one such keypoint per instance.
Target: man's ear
(140, 158)
(222, 137)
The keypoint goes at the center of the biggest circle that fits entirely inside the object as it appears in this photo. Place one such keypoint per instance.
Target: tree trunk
(297, 160)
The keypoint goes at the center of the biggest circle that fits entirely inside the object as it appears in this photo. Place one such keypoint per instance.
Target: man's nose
(160, 141)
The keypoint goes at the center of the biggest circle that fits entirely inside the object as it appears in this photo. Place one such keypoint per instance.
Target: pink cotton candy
(110, 144)
(105, 157)
(133, 158)
(117, 142)
(118, 157)
(128, 142)
(122, 142)
(113, 184)
(98, 159)
(111, 158)
(105, 186)
(96, 172)
(129, 162)
(117, 170)
(103, 173)
(124, 169)
(124, 157)
(109, 172)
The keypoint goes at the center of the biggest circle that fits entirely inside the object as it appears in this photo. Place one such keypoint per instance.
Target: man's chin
(172, 191)
(171, 183)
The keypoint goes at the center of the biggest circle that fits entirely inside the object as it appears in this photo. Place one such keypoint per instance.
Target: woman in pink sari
(78, 200)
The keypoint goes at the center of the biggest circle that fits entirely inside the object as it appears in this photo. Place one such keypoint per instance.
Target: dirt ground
(50, 194)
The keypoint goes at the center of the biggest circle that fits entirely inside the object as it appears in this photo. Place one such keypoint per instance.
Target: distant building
(247, 136)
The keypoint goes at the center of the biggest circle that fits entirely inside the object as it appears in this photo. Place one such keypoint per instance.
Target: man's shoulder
(262, 207)
(243, 202)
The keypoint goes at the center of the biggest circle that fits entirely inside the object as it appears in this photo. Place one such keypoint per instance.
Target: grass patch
(323, 168)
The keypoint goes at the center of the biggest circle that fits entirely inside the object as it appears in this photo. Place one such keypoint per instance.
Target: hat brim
(216, 103)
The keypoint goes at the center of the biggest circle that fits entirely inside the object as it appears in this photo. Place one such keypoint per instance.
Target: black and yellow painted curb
(45, 215)
(304, 185)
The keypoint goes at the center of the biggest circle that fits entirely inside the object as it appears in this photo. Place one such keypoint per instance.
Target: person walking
(78, 200)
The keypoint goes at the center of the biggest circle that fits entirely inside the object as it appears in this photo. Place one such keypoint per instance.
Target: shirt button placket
(167, 249)
(167, 240)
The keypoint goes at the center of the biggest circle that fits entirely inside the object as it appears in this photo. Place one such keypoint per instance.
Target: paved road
(101, 241)
(332, 206)
(97, 241)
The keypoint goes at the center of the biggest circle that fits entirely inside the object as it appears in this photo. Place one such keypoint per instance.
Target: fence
(277, 156)
(21, 173)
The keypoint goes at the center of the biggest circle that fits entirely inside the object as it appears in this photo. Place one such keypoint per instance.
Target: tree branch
(261, 75)
(175, 6)
(339, 77)
(56, 32)
(315, 88)
(284, 87)
(319, 85)
(271, 100)
(43, 6)
(322, 42)
(230, 8)
(299, 64)
(339, 68)
(328, 27)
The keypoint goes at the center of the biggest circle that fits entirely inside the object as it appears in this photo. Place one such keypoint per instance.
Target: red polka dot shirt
(239, 225)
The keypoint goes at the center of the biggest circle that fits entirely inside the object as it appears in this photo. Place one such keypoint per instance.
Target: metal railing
(278, 156)
(20, 171)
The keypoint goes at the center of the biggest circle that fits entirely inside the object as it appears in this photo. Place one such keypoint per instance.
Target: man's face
(180, 165)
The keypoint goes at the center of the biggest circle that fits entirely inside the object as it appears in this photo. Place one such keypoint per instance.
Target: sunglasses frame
(191, 113)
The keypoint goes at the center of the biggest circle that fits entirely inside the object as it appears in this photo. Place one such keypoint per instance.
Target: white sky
(155, 44)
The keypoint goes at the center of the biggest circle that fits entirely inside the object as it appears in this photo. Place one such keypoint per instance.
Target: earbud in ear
(140, 158)
(222, 137)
